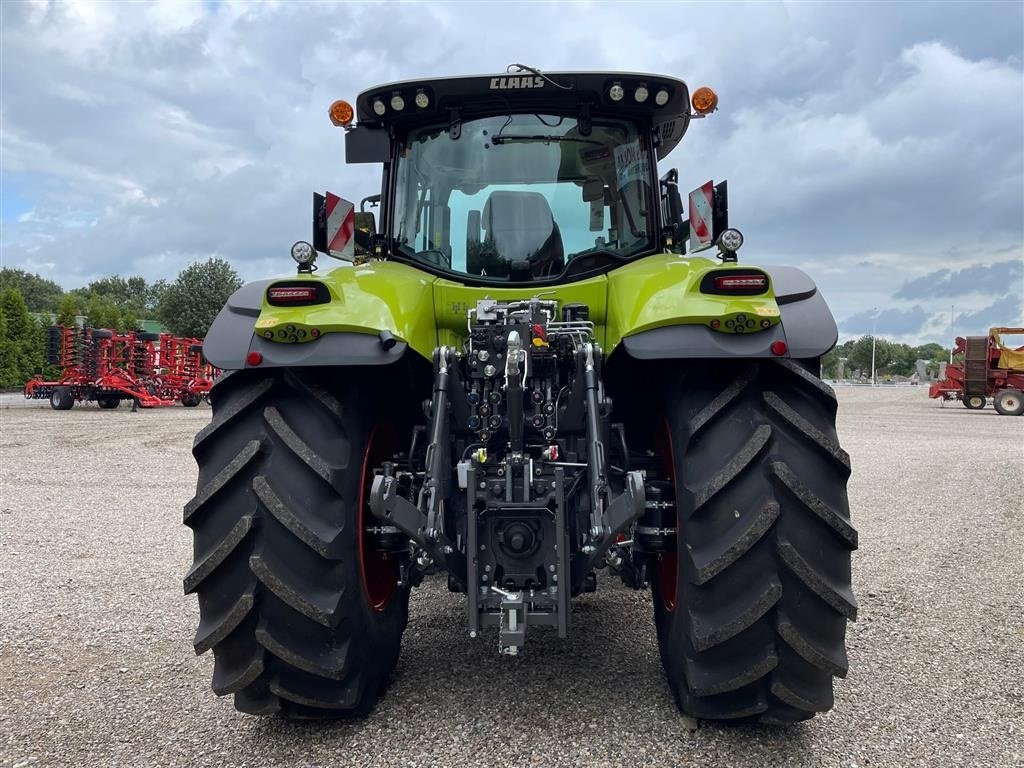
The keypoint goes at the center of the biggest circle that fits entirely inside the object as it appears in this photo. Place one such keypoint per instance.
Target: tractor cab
(525, 177)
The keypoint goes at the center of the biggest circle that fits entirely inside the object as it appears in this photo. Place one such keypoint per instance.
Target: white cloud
(145, 136)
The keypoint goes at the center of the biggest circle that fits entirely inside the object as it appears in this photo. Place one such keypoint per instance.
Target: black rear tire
(191, 400)
(1009, 402)
(279, 564)
(751, 609)
(61, 399)
(974, 402)
(108, 401)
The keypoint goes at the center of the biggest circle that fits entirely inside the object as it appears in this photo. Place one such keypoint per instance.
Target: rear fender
(805, 324)
(364, 301)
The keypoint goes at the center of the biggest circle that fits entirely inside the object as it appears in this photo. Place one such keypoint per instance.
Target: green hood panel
(381, 296)
(664, 290)
(424, 311)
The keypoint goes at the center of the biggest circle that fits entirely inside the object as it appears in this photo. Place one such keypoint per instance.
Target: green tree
(8, 355)
(40, 294)
(67, 310)
(154, 293)
(113, 288)
(132, 295)
(189, 305)
(102, 312)
(128, 321)
(904, 361)
(932, 351)
(22, 339)
(830, 361)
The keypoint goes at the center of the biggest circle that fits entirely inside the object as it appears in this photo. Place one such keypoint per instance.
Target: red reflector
(292, 293)
(740, 282)
(254, 358)
(779, 348)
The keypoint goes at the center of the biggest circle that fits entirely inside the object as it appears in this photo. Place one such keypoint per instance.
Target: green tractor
(527, 376)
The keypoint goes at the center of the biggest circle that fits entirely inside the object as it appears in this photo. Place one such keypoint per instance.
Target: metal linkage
(608, 516)
(423, 522)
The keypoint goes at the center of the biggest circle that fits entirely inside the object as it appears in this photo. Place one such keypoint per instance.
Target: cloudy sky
(879, 147)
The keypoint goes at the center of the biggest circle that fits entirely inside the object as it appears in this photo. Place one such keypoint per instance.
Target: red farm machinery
(152, 369)
(990, 368)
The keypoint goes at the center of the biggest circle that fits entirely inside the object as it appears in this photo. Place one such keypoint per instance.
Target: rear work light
(292, 294)
(741, 282)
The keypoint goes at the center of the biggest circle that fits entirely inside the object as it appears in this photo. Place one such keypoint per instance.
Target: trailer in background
(106, 366)
(990, 368)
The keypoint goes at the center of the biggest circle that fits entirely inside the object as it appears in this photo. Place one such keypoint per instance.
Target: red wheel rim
(379, 570)
(667, 565)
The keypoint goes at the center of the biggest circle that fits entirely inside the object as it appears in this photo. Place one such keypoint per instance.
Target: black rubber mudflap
(277, 569)
(763, 588)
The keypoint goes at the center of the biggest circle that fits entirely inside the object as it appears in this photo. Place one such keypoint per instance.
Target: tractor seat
(520, 227)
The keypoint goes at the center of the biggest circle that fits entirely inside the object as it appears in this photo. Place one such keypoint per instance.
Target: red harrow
(108, 367)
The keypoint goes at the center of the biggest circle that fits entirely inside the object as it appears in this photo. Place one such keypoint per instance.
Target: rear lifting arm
(607, 519)
(424, 522)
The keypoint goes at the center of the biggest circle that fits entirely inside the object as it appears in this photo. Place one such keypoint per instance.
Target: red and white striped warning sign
(702, 201)
(341, 225)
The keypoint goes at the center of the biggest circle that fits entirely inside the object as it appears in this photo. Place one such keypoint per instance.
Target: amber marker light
(704, 100)
(341, 113)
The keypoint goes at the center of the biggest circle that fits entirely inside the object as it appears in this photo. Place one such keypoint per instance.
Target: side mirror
(365, 229)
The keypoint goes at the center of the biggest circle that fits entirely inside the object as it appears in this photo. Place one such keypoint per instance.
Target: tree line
(29, 304)
(891, 358)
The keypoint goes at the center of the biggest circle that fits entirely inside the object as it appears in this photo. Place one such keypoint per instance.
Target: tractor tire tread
(756, 630)
(204, 566)
(281, 602)
(792, 483)
(279, 427)
(712, 560)
(222, 479)
(322, 538)
(711, 630)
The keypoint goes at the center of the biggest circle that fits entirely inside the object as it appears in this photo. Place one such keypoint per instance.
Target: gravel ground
(17, 400)
(98, 669)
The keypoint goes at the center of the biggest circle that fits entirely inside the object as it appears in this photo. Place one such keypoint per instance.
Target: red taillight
(741, 282)
(779, 348)
(288, 294)
(254, 358)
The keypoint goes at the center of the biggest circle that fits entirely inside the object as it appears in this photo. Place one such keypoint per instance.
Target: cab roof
(447, 98)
